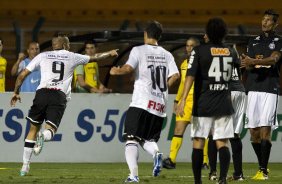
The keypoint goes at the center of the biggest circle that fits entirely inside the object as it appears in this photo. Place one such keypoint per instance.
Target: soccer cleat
(132, 179)
(213, 176)
(261, 176)
(25, 169)
(157, 164)
(39, 144)
(237, 178)
(168, 164)
(205, 166)
(223, 181)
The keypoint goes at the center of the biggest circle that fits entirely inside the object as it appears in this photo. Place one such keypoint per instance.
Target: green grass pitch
(116, 173)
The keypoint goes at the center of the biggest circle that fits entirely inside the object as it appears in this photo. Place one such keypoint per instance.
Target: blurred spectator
(32, 81)
(87, 76)
(3, 64)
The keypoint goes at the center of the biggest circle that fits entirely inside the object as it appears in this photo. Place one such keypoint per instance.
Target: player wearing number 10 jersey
(210, 66)
(56, 69)
(155, 70)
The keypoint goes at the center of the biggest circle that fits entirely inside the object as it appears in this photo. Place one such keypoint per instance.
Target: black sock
(197, 162)
(265, 152)
(236, 145)
(224, 160)
(257, 149)
(212, 154)
(29, 144)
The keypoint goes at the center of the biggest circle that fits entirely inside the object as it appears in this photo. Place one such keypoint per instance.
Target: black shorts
(142, 125)
(49, 106)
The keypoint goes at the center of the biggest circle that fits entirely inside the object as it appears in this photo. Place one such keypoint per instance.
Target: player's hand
(21, 56)
(113, 53)
(174, 107)
(14, 99)
(180, 109)
(114, 70)
(246, 61)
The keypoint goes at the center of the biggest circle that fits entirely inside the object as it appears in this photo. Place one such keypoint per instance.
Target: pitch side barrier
(91, 131)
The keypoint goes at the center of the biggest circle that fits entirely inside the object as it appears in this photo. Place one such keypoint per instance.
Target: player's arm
(125, 69)
(15, 68)
(249, 62)
(81, 83)
(103, 55)
(172, 79)
(189, 80)
(19, 81)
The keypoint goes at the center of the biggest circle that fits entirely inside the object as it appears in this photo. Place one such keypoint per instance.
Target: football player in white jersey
(56, 68)
(155, 71)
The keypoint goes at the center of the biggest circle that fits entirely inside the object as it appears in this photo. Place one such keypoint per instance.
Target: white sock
(151, 147)
(131, 156)
(48, 134)
(28, 149)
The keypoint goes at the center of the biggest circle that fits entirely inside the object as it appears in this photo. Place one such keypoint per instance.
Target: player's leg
(176, 142)
(132, 138)
(200, 129)
(55, 109)
(223, 130)
(206, 158)
(131, 156)
(265, 149)
(212, 154)
(236, 146)
(238, 102)
(197, 158)
(35, 118)
(28, 148)
(252, 123)
(180, 127)
(256, 144)
(224, 159)
(268, 120)
(151, 134)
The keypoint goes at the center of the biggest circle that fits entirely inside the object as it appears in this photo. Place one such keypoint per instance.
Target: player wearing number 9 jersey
(56, 68)
(210, 68)
(155, 71)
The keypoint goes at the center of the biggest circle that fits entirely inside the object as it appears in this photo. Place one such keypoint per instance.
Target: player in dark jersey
(210, 66)
(262, 85)
(238, 98)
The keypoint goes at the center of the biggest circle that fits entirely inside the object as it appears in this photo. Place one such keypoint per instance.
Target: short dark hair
(154, 30)
(216, 30)
(273, 13)
(196, 40)
(92, 42)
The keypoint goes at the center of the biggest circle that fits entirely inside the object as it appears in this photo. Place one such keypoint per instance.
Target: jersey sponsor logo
(218, 87)
(34, 80)
(254, 44)
(271, 46)
(220, 51)
(156, 106)
(257, 38)
(261, 66)
(51, 56)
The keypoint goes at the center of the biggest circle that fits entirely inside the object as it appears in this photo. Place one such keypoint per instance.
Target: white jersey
(153, 66)
(56, 68)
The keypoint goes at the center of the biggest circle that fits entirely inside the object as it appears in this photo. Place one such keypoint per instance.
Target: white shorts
(219, 127)
(261, 110)
(239, 105)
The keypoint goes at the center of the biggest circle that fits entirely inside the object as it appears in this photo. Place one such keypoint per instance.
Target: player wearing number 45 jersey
(56, 68)
(210, 66)
(155, 71)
